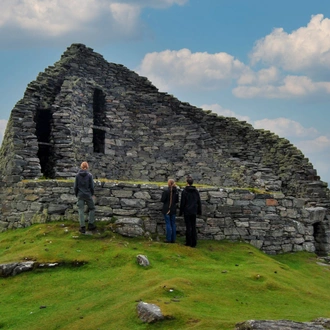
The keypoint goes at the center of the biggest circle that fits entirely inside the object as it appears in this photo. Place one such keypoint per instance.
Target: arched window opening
(98, 120)
(44, 120)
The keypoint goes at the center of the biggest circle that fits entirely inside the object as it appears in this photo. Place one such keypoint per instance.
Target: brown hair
(171, 183)
(84, 166)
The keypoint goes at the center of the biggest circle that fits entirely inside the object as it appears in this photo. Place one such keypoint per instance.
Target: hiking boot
(82, 230)
(91, 226)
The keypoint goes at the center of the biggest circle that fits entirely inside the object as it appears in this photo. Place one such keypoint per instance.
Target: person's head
(171, 183)
(190, 180)
(84, 166)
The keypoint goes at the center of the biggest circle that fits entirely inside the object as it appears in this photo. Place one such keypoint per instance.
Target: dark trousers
(191, 232)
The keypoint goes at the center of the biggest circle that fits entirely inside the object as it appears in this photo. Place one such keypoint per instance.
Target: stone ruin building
(85, 108)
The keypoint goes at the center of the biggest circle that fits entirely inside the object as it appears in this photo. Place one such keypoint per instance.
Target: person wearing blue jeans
(84, 191)
(170, 198)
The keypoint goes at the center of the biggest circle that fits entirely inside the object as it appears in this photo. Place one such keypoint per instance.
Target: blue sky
(265, 62)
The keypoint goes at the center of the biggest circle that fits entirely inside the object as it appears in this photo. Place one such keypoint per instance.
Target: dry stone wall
(273, 223)
(85, 108)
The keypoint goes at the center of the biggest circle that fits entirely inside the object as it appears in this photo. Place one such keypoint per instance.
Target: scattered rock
(15, 268)
(149, 313)
(319, 324)
(142, 260)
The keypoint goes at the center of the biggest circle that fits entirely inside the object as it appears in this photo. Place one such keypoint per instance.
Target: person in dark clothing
(170, 198)
(84, 191)
(190, 207)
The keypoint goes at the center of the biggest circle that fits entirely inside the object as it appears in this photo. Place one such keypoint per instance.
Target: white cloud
(318, 152)
(285, 127)
(170, 69)
(125, 15)
(157, 3)
(305, 49)
(263, 76)
(49, 17)
(318, 145)
(61, 20)
(290, 87)
(3, 125)
(305, 52)
(224, 112)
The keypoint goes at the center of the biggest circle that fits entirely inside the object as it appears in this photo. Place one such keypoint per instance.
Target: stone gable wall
(148, 135)
(273, 223)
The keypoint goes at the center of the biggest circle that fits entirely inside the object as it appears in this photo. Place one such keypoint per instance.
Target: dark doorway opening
(98, 140)
(98, 120)
(45, 155)
(44, 120)
(320, 239)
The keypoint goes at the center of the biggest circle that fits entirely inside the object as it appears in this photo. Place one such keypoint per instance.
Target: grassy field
(99, 282)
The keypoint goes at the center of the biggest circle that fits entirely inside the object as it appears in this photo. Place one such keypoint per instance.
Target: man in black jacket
(84, 190)
(190, 206)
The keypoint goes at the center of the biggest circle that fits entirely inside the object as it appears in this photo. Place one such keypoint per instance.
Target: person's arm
(75, 187)
(163, 199)
(182, 204)
(176, 198)
(199, 204)
(91, 184)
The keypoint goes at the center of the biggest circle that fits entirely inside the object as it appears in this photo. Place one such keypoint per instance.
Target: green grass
(99, 282)
(137, 182)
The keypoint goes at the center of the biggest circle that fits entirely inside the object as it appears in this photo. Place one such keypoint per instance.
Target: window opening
(43, 120)
(98, 120)
(98, 140)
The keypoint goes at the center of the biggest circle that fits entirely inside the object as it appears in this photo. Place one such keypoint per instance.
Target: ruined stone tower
(85, 108)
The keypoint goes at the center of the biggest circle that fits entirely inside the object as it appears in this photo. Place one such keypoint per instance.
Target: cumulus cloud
(298, 64)
(305, 49)
(321, 144)
(170, 69)
(224, 112)
(61, 20)
(318, 151)
(285, 127)
(156, 4)
(3, 125)
(289, 87)
(263, 76)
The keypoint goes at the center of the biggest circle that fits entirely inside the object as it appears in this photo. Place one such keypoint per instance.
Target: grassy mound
(99, 282)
